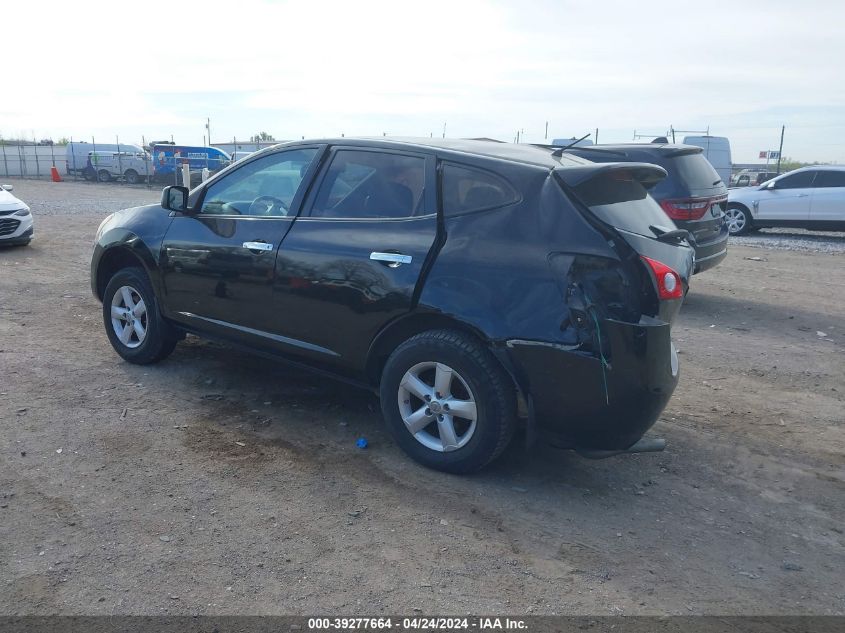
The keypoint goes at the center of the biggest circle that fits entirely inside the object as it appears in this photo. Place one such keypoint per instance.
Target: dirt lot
(219, 483)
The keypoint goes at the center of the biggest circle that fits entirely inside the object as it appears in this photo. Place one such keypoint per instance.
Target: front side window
(801, 180)
(466, 189)
(361, 184)
(830, 179)
(264, 187)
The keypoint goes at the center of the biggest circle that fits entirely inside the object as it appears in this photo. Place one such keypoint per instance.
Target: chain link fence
(160, 164)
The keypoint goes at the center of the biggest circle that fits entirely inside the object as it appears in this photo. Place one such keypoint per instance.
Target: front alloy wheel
(737, 220)
(129, 316)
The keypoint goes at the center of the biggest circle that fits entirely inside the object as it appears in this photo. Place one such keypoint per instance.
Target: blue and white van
(168, 160)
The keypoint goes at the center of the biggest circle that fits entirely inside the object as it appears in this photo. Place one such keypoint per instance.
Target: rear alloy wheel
(131, 176)
(447, 401)
(738, 220)
(134, 326)
(437, 406)
(103, 176)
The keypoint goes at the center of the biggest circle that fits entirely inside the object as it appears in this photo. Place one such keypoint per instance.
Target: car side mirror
(175, 198)
(770, 186)
(8, 187)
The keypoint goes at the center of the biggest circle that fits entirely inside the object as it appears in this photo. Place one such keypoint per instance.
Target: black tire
(103, 176)
(131, 176)
(739, 210)
(490, 386)
(160, 337)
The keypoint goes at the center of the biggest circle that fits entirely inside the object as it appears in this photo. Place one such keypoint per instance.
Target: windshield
(621, 201)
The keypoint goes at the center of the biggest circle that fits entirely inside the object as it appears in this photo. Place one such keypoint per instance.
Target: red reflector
(669, 284)
(687, 208)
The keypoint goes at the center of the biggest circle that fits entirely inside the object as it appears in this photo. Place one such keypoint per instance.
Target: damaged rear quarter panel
(521, 299)
(564, 313)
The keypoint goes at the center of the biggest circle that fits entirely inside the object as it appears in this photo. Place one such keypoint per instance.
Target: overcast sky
(483, 68)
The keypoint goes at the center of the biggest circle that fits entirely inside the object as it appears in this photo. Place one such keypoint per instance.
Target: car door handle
(258, 246)
(803, 195)
(393, 260)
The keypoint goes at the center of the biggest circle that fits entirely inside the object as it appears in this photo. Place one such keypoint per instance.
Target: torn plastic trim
(646, 174)
(559, 346)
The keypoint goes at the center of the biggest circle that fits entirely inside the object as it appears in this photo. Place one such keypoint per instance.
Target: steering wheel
(267, 205)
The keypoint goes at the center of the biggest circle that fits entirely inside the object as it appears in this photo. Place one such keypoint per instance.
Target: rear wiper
(667, 235)
(717, 182)
(559, 152)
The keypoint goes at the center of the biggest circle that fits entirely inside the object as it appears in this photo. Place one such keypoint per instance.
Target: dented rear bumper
(578, 404)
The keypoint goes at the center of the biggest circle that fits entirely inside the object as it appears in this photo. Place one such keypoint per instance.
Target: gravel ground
(794, 240)
(80, 197)
(220, 483)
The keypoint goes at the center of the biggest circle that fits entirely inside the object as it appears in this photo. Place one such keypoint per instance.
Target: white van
(717, 149)
(133, 167)
(76, 154)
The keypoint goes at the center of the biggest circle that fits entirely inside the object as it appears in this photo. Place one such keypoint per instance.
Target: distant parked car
(809, 198)
(463, 281)
(751, 177)
(692, 195)
(15, 219)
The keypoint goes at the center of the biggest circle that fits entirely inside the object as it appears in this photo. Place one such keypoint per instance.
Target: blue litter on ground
(362, 442)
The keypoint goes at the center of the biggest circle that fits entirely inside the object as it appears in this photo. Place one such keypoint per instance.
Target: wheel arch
(115, 258)
(400, 330)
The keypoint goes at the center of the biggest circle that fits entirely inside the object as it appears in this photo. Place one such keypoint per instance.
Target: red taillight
(687, 208)
(669, 284)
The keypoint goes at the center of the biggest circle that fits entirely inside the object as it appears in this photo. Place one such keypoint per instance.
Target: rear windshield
(621, 201)
(692, 172)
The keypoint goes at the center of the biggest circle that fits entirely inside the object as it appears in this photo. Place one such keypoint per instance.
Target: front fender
(127, 238)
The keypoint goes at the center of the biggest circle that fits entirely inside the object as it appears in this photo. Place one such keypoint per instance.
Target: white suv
(809, 198)
(15, 219)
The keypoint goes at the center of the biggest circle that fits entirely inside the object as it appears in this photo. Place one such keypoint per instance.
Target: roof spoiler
(647, 174)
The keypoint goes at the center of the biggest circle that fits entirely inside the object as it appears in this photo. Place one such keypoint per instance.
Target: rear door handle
(393, 260)
(258, 246)
(803, 195)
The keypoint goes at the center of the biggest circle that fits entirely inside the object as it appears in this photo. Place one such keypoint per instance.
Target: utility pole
(596, 137)
(546, 137)
(444, 129)
(780, 150)
(208, 128)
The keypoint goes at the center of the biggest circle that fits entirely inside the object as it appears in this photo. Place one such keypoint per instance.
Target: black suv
(475, 286)
(692, 194)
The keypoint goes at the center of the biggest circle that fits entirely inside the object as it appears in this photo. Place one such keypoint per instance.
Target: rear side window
(830, 179)
(467, 189)
(619, 200)
(801, 180)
